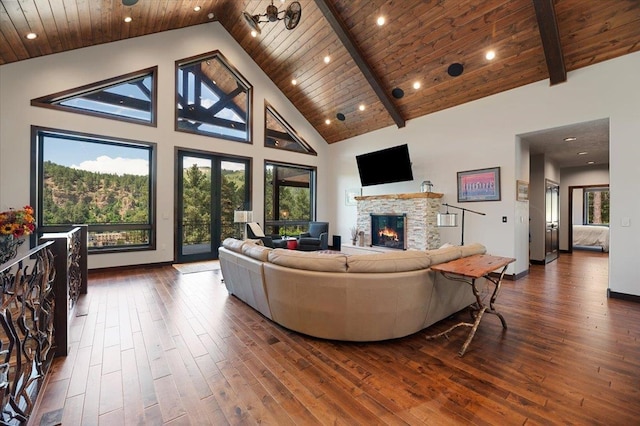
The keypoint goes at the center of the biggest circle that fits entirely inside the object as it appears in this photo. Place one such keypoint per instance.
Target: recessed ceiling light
(327, 59)
(128, 19)
(210, 15)
(570, 139)
(361, 107)
(591, 162)
(583, 153)
(294, 81)
(490, 55)
(416, 85)
(254, 33)
(327, 121)
(197, 9)
(31, 36)
(380, 21)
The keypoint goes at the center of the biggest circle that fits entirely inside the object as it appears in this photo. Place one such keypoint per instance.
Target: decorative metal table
(467, 270)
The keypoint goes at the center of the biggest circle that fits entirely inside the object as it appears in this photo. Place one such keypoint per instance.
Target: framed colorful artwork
(479, 185)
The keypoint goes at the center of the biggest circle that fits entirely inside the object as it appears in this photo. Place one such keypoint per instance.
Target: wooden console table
(468, 270)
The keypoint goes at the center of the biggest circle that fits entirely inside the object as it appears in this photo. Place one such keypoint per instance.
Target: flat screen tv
(385, 166)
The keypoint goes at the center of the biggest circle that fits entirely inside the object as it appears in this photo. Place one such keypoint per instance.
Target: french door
(210, 188)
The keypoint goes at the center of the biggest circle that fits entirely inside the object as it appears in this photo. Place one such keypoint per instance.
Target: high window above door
(212, 98)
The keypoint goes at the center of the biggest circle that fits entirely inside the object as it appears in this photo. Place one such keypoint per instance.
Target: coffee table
(467, 270)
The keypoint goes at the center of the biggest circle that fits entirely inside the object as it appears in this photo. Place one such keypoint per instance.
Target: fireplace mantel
(421, 209)
(400, 196)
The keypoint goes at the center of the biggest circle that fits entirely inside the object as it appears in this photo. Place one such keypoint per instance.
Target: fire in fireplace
(388, 230)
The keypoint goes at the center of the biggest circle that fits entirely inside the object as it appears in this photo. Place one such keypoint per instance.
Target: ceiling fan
(290, 16)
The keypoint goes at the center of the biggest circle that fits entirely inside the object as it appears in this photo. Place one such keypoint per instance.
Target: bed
(591, 236)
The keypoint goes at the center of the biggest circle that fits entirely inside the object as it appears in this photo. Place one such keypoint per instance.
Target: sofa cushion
(471, 249)
(396, 261)
(309, 260)
(233, 244)
(256, 251)
(443, 255)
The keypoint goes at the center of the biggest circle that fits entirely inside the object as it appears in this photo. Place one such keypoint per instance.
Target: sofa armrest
(324, 241)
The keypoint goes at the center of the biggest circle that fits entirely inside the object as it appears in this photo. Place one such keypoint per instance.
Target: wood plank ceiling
(418, 42)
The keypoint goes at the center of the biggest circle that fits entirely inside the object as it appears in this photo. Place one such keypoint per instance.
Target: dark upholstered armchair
(255, 232)
(317, 238)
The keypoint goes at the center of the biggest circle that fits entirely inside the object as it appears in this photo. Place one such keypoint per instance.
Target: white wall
(482, 134)
(537, 211)
(22, 81)
(595, 175)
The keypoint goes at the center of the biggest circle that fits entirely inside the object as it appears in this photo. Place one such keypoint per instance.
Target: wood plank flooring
(156, 347)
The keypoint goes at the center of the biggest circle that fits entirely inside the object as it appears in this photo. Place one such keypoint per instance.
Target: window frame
(217, 55)
(37, 193)
(268, 108)
(46, 101)
(585, 203)
(313, 195)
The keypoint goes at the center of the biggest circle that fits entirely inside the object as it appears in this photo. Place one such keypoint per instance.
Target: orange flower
(17, 222)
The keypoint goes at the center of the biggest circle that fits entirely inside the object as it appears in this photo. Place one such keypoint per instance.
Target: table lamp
(244, 217)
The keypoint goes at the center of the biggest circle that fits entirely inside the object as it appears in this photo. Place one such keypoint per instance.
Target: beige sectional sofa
(366, 297)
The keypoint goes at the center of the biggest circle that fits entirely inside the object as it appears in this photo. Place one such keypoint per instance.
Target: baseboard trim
(120, 268)
(623, 296)
(537, 262)
(510, 277)
(520, 275)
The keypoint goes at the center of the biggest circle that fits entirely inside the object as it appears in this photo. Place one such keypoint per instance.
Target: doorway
(210, 188)
(552, 221)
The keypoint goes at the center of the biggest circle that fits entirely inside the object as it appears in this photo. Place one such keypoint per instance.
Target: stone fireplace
(418, 209)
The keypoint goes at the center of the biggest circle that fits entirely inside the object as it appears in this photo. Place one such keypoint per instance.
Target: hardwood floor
(159, 347)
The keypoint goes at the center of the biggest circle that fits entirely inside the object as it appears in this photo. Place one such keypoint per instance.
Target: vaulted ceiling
(533, 40)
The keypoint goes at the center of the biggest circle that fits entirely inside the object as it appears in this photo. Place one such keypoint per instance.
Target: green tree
(197, 206)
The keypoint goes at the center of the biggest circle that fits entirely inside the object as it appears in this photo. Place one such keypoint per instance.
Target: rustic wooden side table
(468, 270)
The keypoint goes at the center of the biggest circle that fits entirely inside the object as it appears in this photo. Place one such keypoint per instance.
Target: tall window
(289, 201)
(103, 182)
(596, 206)
(213, 99)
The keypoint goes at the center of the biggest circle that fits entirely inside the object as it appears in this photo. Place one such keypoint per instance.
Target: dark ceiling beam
(349, 43)
(548, 26)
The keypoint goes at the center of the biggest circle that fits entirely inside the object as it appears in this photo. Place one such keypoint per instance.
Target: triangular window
(279, 134)
(130, 97)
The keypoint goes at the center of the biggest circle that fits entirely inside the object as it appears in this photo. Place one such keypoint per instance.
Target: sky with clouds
(112, 158)
(96, 157)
